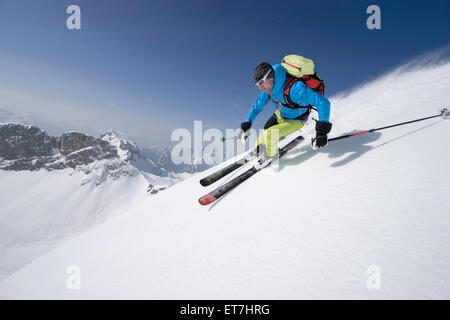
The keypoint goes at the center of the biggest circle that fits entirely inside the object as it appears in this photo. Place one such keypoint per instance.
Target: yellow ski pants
(272, 135)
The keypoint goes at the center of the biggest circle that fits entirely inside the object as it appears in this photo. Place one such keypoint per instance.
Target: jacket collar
(280, 78)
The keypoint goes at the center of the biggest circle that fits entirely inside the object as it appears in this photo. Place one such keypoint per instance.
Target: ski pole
(444, 114)
(223, 139)
(243, 135)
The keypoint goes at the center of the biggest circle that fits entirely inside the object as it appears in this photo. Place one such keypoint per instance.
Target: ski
(219, 174)
(220, 191)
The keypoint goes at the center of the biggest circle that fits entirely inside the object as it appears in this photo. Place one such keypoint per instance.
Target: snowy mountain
(316, 228)
(55, 187)
(26, 147)
(156, 160)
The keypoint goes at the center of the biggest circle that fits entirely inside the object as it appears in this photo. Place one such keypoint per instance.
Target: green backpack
(298, 66)
(301, 68)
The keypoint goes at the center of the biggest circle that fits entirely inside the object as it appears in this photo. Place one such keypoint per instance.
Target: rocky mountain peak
(126, 148)
(26, 147)
(29, 148)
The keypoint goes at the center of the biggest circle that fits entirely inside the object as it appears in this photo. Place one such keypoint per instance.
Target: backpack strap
(291, 104)
(318, 86)
(287, 90)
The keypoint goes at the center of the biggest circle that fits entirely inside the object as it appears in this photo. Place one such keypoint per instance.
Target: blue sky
(148, 67)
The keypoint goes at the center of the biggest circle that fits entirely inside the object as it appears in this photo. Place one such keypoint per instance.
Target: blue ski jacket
(299, 94)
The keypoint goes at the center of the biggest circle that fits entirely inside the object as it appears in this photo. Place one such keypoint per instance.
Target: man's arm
(301, 93)
(261, 102)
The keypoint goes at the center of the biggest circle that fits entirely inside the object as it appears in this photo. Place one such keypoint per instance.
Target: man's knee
(273, 132)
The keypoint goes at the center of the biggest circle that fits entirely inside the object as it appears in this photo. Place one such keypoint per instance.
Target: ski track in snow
(310, 230)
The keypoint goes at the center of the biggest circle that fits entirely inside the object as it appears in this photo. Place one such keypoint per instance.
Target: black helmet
(261, 70)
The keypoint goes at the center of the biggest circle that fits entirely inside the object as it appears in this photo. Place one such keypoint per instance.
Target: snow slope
(42, 209)
(311, 230)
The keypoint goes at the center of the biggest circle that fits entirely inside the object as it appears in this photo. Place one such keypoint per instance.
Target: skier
(290, 115)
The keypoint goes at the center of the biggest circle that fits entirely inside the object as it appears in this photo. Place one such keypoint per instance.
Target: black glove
(245, 126)
(321, 139)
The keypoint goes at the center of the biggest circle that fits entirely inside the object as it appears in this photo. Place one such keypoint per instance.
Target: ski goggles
(261, 82)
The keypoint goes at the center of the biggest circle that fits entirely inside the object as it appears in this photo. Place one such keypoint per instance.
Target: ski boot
(263, 159)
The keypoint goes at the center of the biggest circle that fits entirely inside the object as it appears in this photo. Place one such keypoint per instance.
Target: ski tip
(207, 199)
(204, 182)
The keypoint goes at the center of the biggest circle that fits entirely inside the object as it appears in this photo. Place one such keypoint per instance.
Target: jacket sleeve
(300, 94)
(261, 102)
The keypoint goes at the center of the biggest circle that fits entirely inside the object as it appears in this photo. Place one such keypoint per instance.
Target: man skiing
(293, 100)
